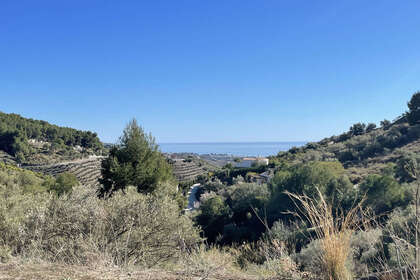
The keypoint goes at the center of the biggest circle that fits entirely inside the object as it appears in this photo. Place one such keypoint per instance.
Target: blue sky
(212, 71)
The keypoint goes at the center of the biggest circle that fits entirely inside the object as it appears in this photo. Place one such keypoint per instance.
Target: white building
(250, 161)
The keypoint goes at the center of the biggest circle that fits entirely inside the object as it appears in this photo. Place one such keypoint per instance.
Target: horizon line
(233, 142)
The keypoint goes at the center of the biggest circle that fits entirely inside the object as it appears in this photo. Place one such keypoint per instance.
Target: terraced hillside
(185, 171)
(6, 158)
(87, 171)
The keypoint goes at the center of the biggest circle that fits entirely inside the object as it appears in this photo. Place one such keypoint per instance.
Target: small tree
(413, 114)
(385, 124)
(135, 161)
(370, 127)
(357, 129)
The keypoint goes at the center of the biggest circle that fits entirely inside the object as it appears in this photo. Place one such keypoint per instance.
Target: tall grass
(334, 229)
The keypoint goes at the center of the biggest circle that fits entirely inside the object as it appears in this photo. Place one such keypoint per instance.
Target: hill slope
(363, 149)
(35, 141)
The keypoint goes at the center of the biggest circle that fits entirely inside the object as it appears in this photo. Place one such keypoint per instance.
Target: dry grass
(56, 271)
(334, 229)
(43, 271)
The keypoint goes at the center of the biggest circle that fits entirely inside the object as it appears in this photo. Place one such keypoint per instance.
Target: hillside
(42, 147)
(363, 150)
(31, 141)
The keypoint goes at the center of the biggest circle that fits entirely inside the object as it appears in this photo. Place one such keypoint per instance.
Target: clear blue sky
(209, 70)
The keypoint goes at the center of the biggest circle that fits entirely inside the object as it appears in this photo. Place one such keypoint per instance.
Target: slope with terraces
(185, 171)
(87, 171)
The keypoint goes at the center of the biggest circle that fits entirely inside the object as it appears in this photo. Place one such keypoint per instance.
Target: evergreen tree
(357, 129)
(414, 109)
(135, 161)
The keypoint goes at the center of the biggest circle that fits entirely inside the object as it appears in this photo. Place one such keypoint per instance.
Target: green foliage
(213, 216)
(400, 233)
(35, 183)
(235, 212)
(406, 167)
(385, 124)
(306, 178)
(136, 161)
(384, 193)
(228, 173)
(370, 127)
(413, 114)
(229, 213)
(357, 129)
(28, 181)
(245, 197)
(64, 183)
(356, 148)
(367, 249)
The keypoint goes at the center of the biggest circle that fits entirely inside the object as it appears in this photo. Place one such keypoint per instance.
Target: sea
(241, 149)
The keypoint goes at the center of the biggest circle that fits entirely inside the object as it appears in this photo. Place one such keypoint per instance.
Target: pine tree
(134, 161)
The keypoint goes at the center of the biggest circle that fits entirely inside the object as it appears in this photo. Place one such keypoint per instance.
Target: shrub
(64, 183)
(16, 204)
(246, 196)
(211, 263)
(213, 215)
(367, 249)
(310, 258)
(279, 268)
(384, 193)
(400, 231)
(79, 228)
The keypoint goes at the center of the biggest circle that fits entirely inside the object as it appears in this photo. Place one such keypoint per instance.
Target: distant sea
(232, 148)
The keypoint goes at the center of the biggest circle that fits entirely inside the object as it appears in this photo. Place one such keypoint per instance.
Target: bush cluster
(79, 228)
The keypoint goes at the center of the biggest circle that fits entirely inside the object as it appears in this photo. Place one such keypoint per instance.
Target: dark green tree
(413, 114)
(370, 127)
(357, 129)
(135, 161)
(385, 124)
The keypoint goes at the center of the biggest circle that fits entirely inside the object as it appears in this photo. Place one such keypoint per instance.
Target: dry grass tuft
(334, 229)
